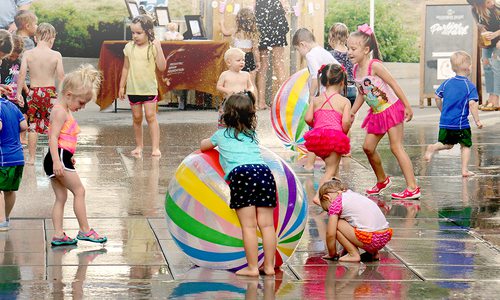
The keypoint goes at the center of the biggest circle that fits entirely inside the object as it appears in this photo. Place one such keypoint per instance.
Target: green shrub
(397, 41)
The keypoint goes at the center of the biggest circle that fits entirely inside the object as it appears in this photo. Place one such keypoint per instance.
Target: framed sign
(194, 26)
(133, 8)
(162, 15)
(448, 26)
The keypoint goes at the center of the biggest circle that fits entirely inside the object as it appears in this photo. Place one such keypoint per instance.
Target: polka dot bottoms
(252, 185)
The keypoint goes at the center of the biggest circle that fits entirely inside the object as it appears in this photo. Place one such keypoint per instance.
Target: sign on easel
(448, 26)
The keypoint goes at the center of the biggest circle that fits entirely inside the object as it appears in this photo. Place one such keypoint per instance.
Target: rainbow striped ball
(208, 231)
(288, 111)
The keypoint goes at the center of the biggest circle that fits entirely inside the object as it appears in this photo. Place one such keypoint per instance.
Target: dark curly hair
(239, 114)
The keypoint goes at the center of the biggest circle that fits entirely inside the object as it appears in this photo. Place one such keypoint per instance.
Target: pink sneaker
(379, 187)
(407, 195)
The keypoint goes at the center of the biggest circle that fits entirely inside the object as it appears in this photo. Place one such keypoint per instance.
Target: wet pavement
(445, 246)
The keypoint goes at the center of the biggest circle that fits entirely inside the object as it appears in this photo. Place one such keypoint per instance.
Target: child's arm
(331, 235)
(57, 119)
(21, 80)
(59, 69)
(439, 103)
(206, 145)
(23, 125)
(357, 104)
(250, 86)
(346, 117)
(313, 88)
(123, 79)
(309, 117)
(379, 70)
(161, 62)
(475, 113)
(220, 84)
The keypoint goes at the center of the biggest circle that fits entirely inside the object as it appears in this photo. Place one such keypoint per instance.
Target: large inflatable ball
(208, 231)
(288, 111)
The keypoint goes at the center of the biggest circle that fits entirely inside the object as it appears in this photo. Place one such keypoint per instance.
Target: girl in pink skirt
(389, 108)
(329, 117)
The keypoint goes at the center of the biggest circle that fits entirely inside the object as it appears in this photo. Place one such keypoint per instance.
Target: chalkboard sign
(448, 27)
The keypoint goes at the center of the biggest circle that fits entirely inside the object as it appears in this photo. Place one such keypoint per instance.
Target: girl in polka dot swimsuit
(252, 185)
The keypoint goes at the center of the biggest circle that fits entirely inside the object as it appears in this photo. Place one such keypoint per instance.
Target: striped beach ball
(208, 231)
(288, 111)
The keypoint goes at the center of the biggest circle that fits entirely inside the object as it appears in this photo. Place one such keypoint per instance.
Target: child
(458, 95)
(44, 65)
(354, 221)
(77, 89)
(233, 80)
(142, 56)
(9, 73)
(246, 38)
(254, 195)
(337, 39)
(26, 22)
(382, 117)
(12, 122)
(329, 115)
(173, 33)
(304, 42)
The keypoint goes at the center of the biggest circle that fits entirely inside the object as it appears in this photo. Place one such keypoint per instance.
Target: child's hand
(479, 125)
(5, 89)
(20, 101)
(408, 114)
(73, 161)
(121, 93)
(57, 167)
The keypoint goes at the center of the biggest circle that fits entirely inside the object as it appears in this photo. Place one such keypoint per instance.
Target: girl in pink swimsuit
(329, 115)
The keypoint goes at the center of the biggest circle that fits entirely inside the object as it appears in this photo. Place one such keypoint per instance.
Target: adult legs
(370, 148)
(154, 128)
(396, 142)
(137, 124)
(248, 221)
(490, 72)
(262, 76)
(265, 220)
(279, 72)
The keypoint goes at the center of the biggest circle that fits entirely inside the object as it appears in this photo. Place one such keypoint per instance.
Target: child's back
(361, 212)
(328, 111)
(456, 93)
(43, 64)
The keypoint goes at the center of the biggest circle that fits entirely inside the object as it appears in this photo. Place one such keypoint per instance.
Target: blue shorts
(252, 185)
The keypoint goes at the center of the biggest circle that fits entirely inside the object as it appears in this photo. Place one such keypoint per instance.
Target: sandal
(489, 107)
(91, 236)
(64, 241)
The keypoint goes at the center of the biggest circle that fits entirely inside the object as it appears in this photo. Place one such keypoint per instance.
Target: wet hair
(231, 52)
(246, 23)
(338, 34)
(370, 41)
(24, 17)
(460, 59)
(333, 74)
(239, 114)
(18, 44)
(45, 32)
(6, 43)
(84, 81)
(147, 25)
(334, 185)
(302, 35)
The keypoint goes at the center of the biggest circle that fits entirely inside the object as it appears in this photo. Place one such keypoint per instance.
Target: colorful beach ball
(208, 231)
(288, 111)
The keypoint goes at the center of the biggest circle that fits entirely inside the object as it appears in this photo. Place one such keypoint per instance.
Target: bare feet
(248, 272)
(267, 270)
(429, 153)
(156, 152)
(350, 258)
(137, 152)
(467, 173)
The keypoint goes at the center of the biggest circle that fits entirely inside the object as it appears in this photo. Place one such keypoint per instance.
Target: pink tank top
(328, 118)
(376, 92)
(68, 135)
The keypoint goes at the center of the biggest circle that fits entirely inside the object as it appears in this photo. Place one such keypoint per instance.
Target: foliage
(397, 40)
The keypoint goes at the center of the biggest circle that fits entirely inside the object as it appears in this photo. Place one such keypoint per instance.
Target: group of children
(354, 220)
(28, 76)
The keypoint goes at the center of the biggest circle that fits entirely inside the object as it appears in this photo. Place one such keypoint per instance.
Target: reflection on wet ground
(445, 246)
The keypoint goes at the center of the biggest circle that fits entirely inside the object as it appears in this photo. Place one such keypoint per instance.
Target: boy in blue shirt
(456, 96)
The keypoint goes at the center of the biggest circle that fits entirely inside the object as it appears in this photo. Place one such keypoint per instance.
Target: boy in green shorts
(459, 95)
(12, 123)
